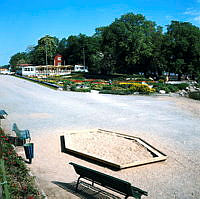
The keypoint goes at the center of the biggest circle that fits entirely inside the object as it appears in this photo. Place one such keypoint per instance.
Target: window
(59, 64)
(59, 58)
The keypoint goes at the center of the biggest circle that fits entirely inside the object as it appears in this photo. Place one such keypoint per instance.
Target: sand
(106, 146)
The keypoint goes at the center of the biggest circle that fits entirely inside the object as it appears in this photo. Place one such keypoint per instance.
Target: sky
(24, 22)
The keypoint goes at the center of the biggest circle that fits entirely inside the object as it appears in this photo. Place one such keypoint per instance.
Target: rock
(192, 89)
(162, 91)
(95, 91)
(183, 93)
(136, 93)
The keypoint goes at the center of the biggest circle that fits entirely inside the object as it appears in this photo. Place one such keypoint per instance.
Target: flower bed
(19, 183)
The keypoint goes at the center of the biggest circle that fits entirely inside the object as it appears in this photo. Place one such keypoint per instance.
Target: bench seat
(110, 182)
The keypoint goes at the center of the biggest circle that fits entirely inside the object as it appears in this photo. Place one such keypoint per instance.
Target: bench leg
(77, 183)
(92, 183)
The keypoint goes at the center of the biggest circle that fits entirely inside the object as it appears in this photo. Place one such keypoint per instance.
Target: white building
(80, 68)
(28, 71)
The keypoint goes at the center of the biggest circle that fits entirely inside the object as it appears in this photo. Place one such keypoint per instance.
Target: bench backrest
(22, 134)
(15, 128)
(104, 179)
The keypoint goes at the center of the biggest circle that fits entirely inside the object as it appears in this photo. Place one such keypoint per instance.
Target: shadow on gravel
(85, 190)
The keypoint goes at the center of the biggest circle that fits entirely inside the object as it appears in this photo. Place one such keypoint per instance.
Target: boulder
(162, 91)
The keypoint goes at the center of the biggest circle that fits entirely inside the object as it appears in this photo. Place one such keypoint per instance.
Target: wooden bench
(107, 181)
(21, 134)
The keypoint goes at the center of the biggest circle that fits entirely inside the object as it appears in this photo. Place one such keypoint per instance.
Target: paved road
(156, 119)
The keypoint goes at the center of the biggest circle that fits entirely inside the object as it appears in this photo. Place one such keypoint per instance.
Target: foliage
(45, 51)
(183, 48)
(19, 58)
(194, 95)
(182, 86)
(116, 92)
(141, 88)
(130, 44)
(20, 183)
(166, 87)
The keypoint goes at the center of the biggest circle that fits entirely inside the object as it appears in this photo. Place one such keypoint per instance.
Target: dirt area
(190, 106)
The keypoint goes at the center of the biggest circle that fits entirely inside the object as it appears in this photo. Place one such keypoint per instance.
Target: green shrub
(96, 86)
(73, 88)
(182, 86)
(161, 80)
(116, 92)
(82, 90)
(107, 87)
(166, 87)
(195, 95)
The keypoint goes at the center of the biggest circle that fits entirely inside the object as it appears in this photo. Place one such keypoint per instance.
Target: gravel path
(171, 124)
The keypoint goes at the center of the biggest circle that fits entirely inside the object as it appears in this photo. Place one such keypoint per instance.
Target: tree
(81, 49)
(129, 41)
(19, 58)
(184, 45)
(45, 51)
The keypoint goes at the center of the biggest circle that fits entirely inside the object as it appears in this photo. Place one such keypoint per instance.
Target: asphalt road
(158, 120)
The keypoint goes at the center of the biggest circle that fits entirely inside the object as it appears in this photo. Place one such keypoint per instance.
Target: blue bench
(21, 134)
(112, 183)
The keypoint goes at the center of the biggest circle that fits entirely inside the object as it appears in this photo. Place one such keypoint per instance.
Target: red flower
(30, 197)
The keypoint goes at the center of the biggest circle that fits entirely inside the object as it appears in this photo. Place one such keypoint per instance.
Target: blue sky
(24, 22)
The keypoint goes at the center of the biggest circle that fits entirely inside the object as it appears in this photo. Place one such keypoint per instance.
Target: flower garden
(15, 179)
(121, 85)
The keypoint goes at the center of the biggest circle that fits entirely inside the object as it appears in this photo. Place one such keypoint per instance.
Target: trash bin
(29, 152)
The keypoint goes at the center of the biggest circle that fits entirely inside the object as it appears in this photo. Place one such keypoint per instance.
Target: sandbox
(114, 149)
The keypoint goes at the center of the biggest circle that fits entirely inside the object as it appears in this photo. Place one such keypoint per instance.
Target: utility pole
(46, 59)
(83, 56)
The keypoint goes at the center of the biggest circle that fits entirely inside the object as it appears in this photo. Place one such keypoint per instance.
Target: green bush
(107, 87)
(182, 86)
(116, 92)
(195, 95)
(96, 86)
(166, 87)
(82, 90)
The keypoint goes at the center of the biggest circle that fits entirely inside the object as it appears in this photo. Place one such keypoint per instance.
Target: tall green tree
(19, 58)
(184, 48)
(45, 51)
(81, 49)
(129, 41)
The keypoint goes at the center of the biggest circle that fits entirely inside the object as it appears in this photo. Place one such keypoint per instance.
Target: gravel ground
(171, 124)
